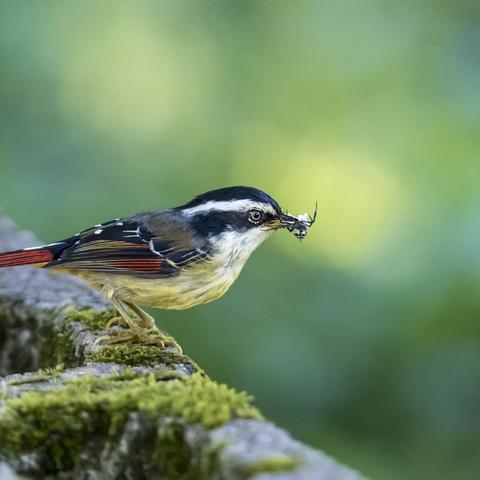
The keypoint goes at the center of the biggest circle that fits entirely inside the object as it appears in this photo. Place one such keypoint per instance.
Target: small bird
(171, 258)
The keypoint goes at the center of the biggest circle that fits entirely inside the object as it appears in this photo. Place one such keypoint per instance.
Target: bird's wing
(132, 247)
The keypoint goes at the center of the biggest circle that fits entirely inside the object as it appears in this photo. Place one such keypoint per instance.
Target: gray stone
(7, 472)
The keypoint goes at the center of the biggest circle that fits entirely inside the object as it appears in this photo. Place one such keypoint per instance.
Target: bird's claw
(117, 321)
(156, 338)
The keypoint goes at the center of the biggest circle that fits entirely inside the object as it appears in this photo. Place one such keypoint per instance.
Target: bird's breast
(192, 286)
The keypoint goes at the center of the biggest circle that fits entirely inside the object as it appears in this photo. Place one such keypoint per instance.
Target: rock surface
(72, 409)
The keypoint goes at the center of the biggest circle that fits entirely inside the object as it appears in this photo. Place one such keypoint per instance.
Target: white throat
(234, 248)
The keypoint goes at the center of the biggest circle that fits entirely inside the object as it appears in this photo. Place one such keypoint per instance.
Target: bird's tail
(35, 256)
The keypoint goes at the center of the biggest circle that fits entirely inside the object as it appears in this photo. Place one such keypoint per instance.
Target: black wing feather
(126, 247)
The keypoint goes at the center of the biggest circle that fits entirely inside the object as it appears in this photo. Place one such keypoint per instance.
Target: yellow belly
(191, 287)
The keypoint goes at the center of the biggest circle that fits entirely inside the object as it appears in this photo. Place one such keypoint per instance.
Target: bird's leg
(124, 320)
(141, 329)
(120, 306)
(147, 320)
(144, 319)
(117, 321)
(151, 335)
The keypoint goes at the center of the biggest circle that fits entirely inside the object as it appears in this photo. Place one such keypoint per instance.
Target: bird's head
(238, 219)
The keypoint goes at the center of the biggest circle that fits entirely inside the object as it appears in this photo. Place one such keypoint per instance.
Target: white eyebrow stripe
(234, 205)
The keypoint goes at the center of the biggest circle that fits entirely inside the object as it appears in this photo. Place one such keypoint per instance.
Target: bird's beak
(283, 220)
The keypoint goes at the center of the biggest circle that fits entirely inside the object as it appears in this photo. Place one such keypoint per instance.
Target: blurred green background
(364, 340)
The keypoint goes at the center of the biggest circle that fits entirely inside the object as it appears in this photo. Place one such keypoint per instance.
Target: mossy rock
(137, 354)
(90, 318)
(58, 424)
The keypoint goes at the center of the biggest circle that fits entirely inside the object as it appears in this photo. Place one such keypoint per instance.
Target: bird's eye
(255, 216)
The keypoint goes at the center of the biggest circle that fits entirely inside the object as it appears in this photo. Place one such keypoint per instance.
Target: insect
(299, 225)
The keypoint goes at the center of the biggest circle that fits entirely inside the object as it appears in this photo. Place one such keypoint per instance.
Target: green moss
(125, 353)
(58, 424)
(278, 463)
(52, 372)
(136, 354)
(37, 378)
(173, 453)
(42, 375)
(92, 319)
(178, 458)
(56, 346)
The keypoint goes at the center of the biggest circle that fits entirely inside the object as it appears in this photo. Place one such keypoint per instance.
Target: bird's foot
(155, 337)
(151, 336)
(144, 323)
(117, 321)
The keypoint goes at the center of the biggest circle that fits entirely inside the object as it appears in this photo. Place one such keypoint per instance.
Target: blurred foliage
(363, 340)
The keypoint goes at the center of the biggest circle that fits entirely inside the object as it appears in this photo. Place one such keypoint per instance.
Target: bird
(173, 258)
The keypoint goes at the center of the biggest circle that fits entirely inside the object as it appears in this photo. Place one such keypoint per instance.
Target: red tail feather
(26, 257)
